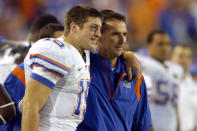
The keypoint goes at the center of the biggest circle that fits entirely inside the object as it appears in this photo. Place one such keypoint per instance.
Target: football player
(15, 81)
(165, 79)
(57, 74)
(187, 104)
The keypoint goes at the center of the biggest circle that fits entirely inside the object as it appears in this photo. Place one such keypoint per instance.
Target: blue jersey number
(164, 96)
(82, 97)
(57, 42)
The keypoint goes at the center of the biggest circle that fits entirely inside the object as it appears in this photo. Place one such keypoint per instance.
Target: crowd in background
(177, 17)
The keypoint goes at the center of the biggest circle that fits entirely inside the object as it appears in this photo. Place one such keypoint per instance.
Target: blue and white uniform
(59, 66)
(165, 79)
(187, 103)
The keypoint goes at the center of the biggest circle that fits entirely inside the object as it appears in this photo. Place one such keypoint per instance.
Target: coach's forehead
(117, 25)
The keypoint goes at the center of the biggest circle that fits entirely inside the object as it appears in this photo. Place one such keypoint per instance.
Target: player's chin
(164, 57)
(93, 48)
(118, 54)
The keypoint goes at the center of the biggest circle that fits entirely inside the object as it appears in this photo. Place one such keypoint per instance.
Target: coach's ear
(7, 107)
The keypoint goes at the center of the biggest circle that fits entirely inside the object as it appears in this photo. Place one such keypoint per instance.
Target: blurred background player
(15, 82)
(193, 71)
(165, 79)
(7, 63)
(187, 105)
(52, 30)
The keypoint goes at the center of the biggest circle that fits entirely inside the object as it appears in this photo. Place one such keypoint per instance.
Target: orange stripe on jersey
(137, 88)
(42, 56)
(20, 74)
(42, 67)
(121, 77)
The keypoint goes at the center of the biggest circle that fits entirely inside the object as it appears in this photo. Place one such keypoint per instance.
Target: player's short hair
(50, 29)
(151, 35)
(109, 15)
(41, 21)
(79, 14)
(182, 46)
(185, 46)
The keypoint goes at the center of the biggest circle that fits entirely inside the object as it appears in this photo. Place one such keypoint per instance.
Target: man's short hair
(151, 35)
(50, 29)
(41, 21)
(185, 46)
(79, 14)
(109, 15)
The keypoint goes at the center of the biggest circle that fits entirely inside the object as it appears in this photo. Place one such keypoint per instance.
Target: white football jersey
(187, 104)
(60, 66)
(165, 81)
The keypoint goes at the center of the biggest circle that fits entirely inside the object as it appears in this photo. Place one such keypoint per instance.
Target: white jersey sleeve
(175, 70)
(148, 82)
(45, 62)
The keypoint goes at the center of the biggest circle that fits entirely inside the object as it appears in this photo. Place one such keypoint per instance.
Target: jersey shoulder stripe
(46, 69)
(42, 80)
(48, 60)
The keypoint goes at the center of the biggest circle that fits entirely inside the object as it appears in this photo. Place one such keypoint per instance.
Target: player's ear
(74, 27)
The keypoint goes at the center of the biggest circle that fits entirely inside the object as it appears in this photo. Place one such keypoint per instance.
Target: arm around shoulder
(132, 63)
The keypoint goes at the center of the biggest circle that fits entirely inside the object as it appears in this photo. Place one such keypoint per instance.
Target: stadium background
(177, 17)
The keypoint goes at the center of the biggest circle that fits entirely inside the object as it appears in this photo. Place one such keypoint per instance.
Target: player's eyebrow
(94, 25)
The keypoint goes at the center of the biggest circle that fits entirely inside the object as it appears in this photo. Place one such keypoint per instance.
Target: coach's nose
(98, 33)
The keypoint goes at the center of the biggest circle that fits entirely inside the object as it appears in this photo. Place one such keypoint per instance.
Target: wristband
(128, 54)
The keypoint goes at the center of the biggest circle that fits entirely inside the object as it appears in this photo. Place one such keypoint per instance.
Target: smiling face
(113, 39)
(89, 34)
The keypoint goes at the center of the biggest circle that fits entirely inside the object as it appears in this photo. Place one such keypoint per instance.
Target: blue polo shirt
(114, 103)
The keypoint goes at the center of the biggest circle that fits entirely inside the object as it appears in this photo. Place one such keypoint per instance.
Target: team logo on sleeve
(127, 84)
